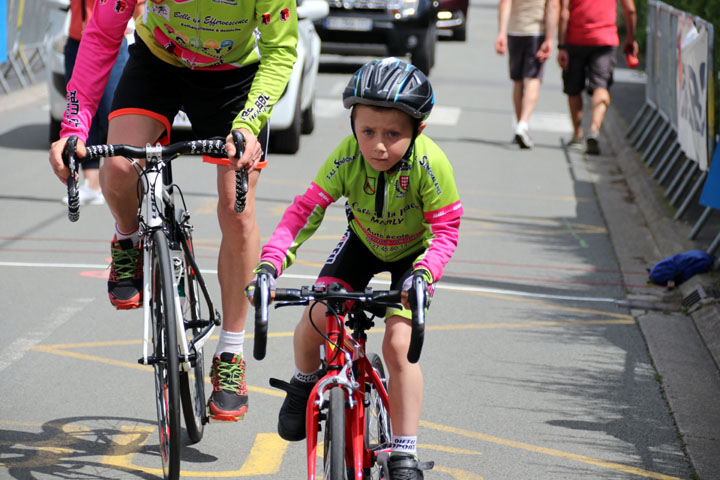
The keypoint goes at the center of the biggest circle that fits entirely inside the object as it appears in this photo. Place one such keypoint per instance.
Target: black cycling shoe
(291, 420)
(403, 466)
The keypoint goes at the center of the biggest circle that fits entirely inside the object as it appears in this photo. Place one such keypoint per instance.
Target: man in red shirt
(587, 44)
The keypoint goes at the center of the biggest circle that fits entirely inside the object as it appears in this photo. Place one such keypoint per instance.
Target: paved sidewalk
(684, 346)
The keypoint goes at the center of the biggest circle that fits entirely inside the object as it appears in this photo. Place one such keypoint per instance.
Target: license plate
(355, 24)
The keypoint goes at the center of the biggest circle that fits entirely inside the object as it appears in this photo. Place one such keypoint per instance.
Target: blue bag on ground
(681, 267)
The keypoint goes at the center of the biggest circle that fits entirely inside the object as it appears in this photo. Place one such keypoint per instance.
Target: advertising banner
(3, 31)
(692, 92)
(711, 190)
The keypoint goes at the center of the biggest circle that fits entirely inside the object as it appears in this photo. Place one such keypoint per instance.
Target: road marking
(551, 122)
(441, 286)
(546, 451)
(59, 317)
(265, 456)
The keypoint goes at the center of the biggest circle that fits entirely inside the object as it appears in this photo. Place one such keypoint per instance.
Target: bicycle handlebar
(213, 147)
(366, 300)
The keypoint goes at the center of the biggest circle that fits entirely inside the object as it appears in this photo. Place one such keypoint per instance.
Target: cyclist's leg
(140, 115)
(406, 379)
(212, 100)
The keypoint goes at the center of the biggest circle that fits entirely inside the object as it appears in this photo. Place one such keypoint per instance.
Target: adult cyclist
(403, 212)
(225, 63)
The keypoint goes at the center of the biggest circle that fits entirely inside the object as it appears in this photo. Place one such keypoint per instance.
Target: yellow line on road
(546, 451)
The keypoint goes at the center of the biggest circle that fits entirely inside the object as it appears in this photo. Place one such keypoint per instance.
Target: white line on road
(17, 349)
(443, 286)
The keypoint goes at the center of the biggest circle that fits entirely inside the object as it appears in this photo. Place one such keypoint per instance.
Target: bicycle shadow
(88, 447)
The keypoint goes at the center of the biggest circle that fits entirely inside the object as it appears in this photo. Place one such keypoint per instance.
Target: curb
(670, 236)
(684, 346)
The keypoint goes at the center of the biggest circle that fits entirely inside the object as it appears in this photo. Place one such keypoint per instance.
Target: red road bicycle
(350, 402)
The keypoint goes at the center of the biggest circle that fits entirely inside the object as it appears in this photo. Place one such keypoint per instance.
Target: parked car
(452, 18)
(292, 115)
(382, 27)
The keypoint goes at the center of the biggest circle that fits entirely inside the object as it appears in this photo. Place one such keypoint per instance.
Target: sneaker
(291, 419)
(522, 137)
(592, 148)
(87, 196)
(403, 466)
(229, 399)
(126, 274)
(577, 143)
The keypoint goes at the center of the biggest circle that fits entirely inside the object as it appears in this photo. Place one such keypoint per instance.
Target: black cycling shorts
(354, 265)
(210, 98)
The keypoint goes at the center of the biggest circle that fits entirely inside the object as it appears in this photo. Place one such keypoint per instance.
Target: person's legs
(239, 247)
(406, 380)
(517, 98)
(575, 102)
(531, 93)
(600, 103)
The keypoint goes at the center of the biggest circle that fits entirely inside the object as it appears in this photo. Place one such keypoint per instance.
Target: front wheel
(192, 383)
(167, 382)
(378, 431)
(334, 455)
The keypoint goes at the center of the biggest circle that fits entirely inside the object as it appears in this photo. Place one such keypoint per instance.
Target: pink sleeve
(97, 53)
(445, 226)
(298, 223)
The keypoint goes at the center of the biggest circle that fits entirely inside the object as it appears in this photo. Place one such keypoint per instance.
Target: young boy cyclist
(403, 214)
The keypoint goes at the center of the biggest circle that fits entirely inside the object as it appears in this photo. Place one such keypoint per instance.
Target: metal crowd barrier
(30, 24)
(654, 130)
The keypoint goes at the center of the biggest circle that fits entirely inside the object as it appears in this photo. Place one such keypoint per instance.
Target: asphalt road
(533, 368)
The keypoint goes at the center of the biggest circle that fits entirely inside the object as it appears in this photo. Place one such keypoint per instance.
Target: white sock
(307, 377)
(123, 236)
(522, 126)
(230, 342)
(404, 445)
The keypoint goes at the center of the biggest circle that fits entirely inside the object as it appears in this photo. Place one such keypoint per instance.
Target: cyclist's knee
(396, 341)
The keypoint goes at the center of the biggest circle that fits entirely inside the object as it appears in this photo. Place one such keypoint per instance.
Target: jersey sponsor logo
(120, 6)
(261, 102)
(161, 10)
(426, 165)
(370, 185)
(338, 162)
(401, 185)
(265, 18)
(338, 248)
(284, 14)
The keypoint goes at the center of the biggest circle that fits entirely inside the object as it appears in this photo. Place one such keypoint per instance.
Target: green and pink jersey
(197, 34)
(415, 208)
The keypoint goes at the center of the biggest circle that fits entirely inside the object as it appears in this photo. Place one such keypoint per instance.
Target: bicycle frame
(340, 375)
(158, 198)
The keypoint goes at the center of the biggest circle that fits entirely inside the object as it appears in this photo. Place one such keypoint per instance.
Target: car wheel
(460, 33)
(308, 119)
(423, 57)
(54, 131)
(288, 140)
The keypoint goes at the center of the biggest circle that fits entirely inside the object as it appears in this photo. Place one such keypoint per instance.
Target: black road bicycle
(179, 314)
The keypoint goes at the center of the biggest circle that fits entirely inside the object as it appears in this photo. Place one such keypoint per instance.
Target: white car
(292, 115)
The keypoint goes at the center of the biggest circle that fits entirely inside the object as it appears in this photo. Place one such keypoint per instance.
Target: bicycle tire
(378, 430)
(334, 445)
(167, 379)
(192, 383)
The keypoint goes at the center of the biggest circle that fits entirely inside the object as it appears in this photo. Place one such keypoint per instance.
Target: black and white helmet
(392, 83)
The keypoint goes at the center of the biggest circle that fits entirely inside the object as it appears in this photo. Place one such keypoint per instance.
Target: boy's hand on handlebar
(56, 161)
(250, 157)
(252, 291)
(407, 296)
